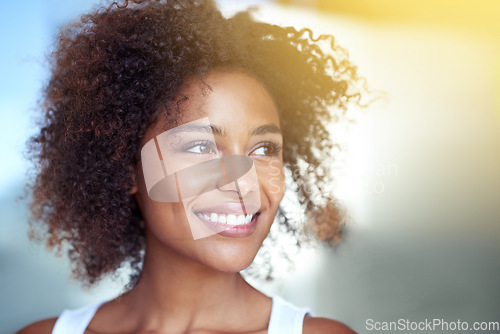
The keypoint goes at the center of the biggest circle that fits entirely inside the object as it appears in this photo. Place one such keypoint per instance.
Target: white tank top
(285, 318)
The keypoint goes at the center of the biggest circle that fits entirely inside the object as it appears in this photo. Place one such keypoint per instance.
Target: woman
(167, 132)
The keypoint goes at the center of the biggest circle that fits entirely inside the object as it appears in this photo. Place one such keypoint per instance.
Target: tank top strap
(75, 321)
(286, 317)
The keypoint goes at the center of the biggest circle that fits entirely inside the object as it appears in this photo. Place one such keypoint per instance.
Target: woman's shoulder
(39, 327)
(313, 325)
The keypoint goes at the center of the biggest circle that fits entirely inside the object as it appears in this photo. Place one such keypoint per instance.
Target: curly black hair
(113, 70)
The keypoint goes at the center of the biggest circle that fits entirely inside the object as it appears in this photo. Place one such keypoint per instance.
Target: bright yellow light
(473, 15)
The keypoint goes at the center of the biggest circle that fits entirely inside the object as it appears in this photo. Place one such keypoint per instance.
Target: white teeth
(227, 219)
(231, 219)
(241, 220)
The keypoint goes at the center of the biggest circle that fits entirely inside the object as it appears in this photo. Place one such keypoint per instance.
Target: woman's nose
(245, 184)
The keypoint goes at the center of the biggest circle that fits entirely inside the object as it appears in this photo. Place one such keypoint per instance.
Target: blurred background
(420, 174)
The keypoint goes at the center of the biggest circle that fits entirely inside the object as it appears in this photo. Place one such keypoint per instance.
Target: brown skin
(175, 264)
(312, 325)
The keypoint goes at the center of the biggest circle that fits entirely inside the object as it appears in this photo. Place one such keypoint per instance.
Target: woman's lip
(236, 208)
(235, 231)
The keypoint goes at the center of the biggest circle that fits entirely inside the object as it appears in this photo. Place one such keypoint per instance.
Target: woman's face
(242, 120)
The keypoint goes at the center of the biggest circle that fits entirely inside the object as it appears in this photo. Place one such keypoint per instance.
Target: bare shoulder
(40, 327)
(317, 325)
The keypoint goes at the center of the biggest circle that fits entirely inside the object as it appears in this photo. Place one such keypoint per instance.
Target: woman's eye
(264, 150)
(205, 148)
(269, 149)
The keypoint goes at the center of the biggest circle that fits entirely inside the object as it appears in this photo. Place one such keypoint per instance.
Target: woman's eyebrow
(216, 130)
(265, 129)
(260, 130)
(197, 128)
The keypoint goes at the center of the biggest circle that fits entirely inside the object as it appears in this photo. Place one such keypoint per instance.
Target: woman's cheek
(273, 180)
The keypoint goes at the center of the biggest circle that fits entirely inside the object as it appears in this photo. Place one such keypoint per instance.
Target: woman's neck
(178, 294)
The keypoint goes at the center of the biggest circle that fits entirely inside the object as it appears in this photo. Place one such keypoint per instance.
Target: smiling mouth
(227, 219)
(230, 224)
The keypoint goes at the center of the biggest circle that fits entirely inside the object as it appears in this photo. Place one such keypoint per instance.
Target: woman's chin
(231, 263)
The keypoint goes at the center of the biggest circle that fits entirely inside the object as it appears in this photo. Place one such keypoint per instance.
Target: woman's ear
(134, 188)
